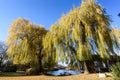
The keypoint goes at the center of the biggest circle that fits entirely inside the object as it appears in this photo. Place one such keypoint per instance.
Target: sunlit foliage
(25, 42)
(116, 32)
(81, 33)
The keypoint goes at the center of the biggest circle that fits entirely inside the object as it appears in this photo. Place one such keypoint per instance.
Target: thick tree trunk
(108, 65)
(40, 68)
(86, 71)
(36, 67)
(40, 57)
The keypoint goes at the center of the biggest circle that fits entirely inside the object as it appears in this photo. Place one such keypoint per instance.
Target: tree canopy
(83, 32)
(25, 42)
(77, 36)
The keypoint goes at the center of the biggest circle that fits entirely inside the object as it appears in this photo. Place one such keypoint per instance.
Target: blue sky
(46, 12)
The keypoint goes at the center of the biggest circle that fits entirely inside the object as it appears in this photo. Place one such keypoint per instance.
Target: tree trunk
(40, 68)
(40, 57)
(86, 71)
(108, 65)
(36, 67)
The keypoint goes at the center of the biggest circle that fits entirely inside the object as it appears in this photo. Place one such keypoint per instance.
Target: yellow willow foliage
(84, 53)
(116, 35)
(83, 32)
(116, 32)
(49, 45)
(102, 47)
(25, 41)
(48, 41)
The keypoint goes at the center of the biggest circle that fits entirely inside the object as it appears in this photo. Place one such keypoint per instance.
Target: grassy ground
(44, 77)
(20, 73)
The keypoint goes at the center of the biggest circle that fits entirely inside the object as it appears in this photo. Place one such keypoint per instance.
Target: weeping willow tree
(81, 33)
(25, 43)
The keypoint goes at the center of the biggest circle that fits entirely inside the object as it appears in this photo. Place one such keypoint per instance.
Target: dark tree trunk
(40, 68)
(37, 67)
(40, 57)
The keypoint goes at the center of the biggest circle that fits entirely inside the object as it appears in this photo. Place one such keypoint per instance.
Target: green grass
(19, 73)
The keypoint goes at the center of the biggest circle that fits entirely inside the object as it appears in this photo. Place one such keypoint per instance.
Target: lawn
(19, 73)
(44, 77)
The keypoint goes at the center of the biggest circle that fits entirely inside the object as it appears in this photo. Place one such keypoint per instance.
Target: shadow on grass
(18, 73)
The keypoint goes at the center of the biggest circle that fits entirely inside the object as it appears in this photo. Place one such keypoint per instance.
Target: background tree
(81, 33)
(25, 43)
(3, 53)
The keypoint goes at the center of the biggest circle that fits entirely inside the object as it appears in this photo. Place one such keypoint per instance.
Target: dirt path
(43, 77)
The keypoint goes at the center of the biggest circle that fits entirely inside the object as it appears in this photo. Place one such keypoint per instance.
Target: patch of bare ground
(73, 77)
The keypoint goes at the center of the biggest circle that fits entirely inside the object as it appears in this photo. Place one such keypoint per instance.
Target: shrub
(116, 71)
(11, 68)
